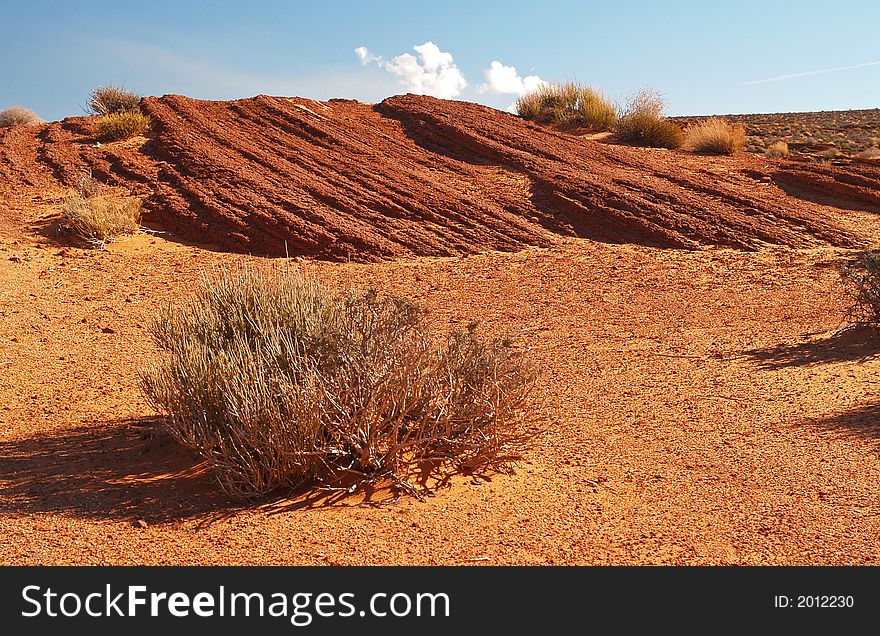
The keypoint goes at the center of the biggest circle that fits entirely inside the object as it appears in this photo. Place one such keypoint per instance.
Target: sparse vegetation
(18, 116)
(121, 126)
(825, 156)
(277, 381)
(641, 122)
(112, 100)
(715, 136)
(647, 130)
(99, 220)
(568, 105)
(647, 101)
(777, 150)
(861, 278)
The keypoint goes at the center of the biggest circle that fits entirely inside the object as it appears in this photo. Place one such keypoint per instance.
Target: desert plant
(777, 150)
(641, 122)
(826, 155)
(861, 277)
(18, 116)
(99, 220)
(121, 126)
(645, 129)
(110, 100)
(647, 101)
(567, 104)
(277, 381)
(715, 136)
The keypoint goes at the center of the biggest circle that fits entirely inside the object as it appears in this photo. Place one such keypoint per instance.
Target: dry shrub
(85, 185)
(18, 116)
(861, 277)
(111, 100)
(715, 136)
(825, 156)
(871, 154)
(777, 150)
(647, 101)
(644, 129)
(100, 220)
(276, 382)
(121, 126)
(568, 105)
(641, 122)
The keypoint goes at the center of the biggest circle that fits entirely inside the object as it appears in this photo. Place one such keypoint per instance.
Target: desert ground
(822, 136)
(699, 401)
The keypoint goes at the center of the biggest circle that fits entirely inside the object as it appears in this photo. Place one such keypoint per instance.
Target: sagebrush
(715, 136)
(121, 126)
(111, 99)
(99, 220)
(567, 105)
(861, 277)
(277, 381)
(18, 116)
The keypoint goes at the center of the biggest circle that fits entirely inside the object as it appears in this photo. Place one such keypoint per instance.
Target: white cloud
(434, 72)
(505, 80)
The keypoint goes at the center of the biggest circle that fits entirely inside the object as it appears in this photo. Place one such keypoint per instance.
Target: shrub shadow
(862, 422)
(425, 478)
(132, 470)
(854, 343)
(116, 470)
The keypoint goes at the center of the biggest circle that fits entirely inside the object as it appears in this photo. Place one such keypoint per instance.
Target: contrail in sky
(779, 78)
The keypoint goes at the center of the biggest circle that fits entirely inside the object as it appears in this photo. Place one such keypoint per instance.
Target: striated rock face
(416, 175)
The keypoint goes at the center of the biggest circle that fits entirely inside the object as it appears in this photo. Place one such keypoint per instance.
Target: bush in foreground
(18, 116)
(99, 220)
(642, 123)
(111, 100)
(861, 278)
(121, 126)
(777, 150)
(567, 105)
(278, 382)
(715, 136)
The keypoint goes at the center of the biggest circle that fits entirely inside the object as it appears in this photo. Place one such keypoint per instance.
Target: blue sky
(705, 57)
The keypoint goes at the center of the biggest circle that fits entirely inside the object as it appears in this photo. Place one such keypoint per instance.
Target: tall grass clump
(777, 150)
(276, 382)
(121, 126)
(641, 122)
(861, 278)
(18, 116)
(110, 100)
(99, 220)
(567, 105)
(715, 136)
